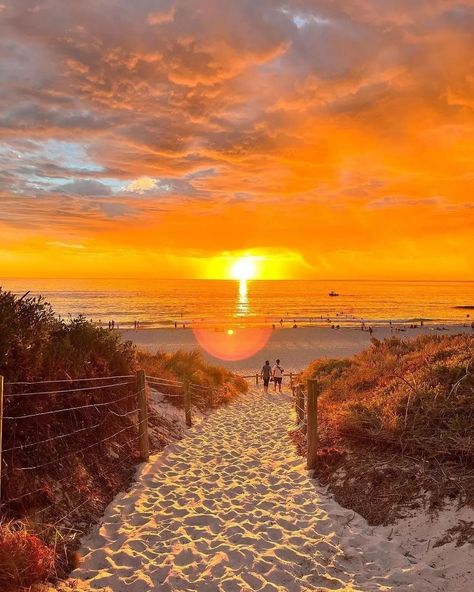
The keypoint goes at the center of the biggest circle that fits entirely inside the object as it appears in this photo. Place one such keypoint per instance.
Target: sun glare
(244, 269)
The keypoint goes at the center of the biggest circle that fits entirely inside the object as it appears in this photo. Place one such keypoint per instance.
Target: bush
(415, 396)
(35, 345)
(24, 559)
(191, 366)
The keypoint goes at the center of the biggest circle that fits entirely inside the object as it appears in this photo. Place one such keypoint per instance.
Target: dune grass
(190, 366)
(397, 420)
(25, 559)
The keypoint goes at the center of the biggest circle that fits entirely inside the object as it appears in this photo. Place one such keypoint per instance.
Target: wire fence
(50, 428)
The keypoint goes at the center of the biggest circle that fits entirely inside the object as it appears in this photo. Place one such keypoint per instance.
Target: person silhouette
(265, 374)
(277, 373)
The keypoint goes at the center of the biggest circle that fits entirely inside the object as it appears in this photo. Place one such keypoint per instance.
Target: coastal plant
(397, 420)
(25, 559)
(415, 396)
(190, 366)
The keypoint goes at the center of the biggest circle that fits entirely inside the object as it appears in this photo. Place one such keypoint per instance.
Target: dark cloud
(84, 188)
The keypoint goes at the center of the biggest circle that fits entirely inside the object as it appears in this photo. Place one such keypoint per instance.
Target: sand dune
(231, 508)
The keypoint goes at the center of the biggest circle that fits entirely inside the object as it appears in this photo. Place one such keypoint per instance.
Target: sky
(170, 138)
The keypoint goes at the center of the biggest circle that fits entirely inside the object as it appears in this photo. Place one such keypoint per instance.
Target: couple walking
(268, 373)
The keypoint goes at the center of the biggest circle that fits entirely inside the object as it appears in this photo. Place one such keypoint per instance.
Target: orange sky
(165, 138)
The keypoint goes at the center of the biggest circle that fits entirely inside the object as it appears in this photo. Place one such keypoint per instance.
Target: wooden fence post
(256, 379)
(299, 404)
(291, 380)
(187, 404)
(313, 388)
(143, 415)
(1, 433)
(211, 398)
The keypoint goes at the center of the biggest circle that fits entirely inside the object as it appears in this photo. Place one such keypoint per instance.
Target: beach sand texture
(232, 508)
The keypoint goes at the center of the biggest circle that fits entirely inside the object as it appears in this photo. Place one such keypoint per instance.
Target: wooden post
(256, 379)
(313, 388)
(1, 434)
(211, 398)
(299, 403)
(291, 380)
(143, 416)
(187, 404)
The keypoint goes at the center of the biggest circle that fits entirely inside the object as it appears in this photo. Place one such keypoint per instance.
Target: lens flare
(232, 344)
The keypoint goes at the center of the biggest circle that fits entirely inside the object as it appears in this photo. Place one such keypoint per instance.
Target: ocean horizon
(156, 303)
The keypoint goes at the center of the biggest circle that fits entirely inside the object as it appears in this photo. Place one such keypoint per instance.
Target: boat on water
(332, 293)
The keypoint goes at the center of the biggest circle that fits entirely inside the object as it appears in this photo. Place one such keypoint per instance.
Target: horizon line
(167, 279)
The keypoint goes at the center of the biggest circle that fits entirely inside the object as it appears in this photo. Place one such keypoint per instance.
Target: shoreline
(295, 347)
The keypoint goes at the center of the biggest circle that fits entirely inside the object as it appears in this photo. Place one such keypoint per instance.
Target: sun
(244, 269)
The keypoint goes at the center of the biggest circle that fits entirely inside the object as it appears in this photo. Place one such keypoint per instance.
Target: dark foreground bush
(24, 558)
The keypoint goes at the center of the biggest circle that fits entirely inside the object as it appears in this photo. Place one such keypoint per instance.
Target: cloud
(158, 18)
(306, 110)
(62, 245)
(85, 188)
(141, 185)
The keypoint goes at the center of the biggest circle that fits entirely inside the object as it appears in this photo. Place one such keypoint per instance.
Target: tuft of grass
(25, 559)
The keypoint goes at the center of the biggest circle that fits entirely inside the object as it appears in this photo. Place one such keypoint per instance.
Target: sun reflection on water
(242, 304)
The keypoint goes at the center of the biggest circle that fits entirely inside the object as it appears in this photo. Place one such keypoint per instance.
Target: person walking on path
(277, 373)
(265, 375)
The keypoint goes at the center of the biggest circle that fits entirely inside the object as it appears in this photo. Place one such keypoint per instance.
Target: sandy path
(231, 508)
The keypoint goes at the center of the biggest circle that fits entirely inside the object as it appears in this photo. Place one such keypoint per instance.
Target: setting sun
(244, 269)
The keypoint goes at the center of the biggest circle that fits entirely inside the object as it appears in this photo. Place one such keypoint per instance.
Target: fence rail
(96, 401)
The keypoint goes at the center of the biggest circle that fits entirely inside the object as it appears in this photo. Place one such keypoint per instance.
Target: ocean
(162, 303)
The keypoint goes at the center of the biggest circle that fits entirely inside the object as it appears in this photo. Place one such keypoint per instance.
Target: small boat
(332, 293)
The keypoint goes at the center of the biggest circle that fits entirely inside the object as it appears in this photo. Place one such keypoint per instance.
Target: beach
(294, 347)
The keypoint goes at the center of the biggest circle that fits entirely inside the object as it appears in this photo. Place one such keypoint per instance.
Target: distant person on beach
(266, 374)
(277, 373)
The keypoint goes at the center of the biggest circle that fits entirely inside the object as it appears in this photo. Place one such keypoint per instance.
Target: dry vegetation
(396, 424)
(190, 366)
(45, 510)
